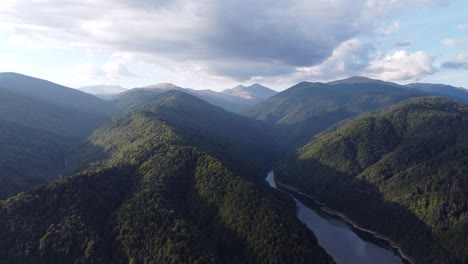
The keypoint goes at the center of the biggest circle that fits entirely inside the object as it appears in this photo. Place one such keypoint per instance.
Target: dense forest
(402, 171)
(248, 141)
(165, 177)
(35, 133)
(306, 108)
(154, 199)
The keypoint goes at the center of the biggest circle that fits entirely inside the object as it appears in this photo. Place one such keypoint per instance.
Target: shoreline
(348, 220)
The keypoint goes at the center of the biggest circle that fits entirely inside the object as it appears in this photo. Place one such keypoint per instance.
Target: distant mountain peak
(102, 89)
(238, 87)
(360, 79)
(254, 92)
(440, 85)
(163, 86)
(258, 85)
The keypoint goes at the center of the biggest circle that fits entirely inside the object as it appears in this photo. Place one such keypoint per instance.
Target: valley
(233, 132)
(345, 243)
(167, 177)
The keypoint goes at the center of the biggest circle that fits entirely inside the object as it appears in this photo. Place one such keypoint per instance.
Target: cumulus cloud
(402, 66)
(349, 58)
(355, 58)
(235, 39)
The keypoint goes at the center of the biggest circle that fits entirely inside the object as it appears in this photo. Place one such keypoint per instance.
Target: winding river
(345, 244)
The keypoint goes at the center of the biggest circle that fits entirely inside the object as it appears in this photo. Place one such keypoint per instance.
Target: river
(345, 244)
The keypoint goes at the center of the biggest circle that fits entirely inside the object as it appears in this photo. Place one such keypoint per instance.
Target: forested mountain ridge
(308, 108)
(155, 198)
(234, 100)
(39, 124)
(454, 93)
(254, 93)
(401, 172)
(241, 137)
(54, 93)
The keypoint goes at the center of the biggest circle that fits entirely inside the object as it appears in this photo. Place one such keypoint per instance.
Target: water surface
(340, 240)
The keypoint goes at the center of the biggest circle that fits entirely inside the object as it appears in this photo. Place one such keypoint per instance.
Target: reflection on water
(339, 239)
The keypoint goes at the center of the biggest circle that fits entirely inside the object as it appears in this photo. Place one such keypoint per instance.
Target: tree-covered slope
(155, 198)
(35, 135)
(307, 108)
(244, 138)
(455, 93)
(135, 97)
(402, 171)
(29, 157)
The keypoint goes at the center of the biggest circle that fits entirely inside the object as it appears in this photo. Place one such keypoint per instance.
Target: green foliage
(155, 196)
(306, 109)
(401, 171)
(35, 135)
(243, 141)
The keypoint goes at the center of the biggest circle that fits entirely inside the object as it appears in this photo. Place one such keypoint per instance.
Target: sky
(217, 44)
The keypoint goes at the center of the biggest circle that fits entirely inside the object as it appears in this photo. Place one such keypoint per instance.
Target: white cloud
(87, 71)
(454, 42)
(349, 58)
(113, 69)
(8, 62)
(354, 58)
(463, 26)
(402, 66)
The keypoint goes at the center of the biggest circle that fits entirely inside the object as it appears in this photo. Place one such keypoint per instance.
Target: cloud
(8, 62)
(355, 57)
(349, 58)
(402, 66)
(113, 69)
(235, 39)
(403, 44)
(463, 26)
(459, 62)
(454, 42)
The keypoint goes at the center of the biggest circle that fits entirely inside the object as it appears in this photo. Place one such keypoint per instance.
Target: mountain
(39, 124)
(53, 93)
(401, 171)
(455, 93)
(228, 102)
(234, 103)
(134, 98)
(102, 89)
(361, 80)
(164, 87)
(254, 93)
(308, 108)
(245, 139)
(105, 92)
(159, 194)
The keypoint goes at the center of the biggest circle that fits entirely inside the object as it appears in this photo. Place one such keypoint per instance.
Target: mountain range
(106, 92)
(234, 100)
(400, 171)
(164, 174)
(307, 108)
(40, 121)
